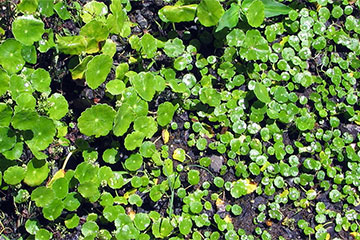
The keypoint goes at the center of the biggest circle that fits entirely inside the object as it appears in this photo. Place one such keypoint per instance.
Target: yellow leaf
(228, 219)
(57, 175)
(165, 136)
(128, 193)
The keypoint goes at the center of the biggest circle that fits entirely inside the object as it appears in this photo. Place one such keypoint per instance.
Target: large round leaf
(255, 46)
(14, 175)
(255, 14)
(97, 120)
(97, 70)
(28, 29)
(36, 172)
(10, 56)
(209, 12)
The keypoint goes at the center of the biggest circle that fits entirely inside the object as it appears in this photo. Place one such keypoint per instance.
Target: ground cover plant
(179, 119)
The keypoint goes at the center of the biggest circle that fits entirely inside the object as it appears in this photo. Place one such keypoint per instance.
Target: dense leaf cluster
(216, 110)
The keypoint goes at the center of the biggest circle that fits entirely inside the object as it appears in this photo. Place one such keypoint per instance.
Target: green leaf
(117, 20)
(79, 71)
(133, 162)
(255, 14)
(40, 80)
(141, 221)
(72, 45)
(29, 54)
(274, 8)
(4, 83)
(5, 115)
(261, 93)
(27, 6)
(144, 84)
(27, 29)
(19, 85)
(96, 120)
(134, 140)
(14, 175)
(94, 10)
(149, 45)
(115, 87)
(10, 56)
(255, 46)
(209, 12)
(58, 106)
(146, 125)
(97, 70)
(124, 117)
(230, 18)
(62, 11)
(36, 172)
(53, 210)
(88, 190)
(43, 234)
(165, 113)
(72, 221)
(174, 47)
(86, 172)
(178, 14)
(46, 7)
(7, 139)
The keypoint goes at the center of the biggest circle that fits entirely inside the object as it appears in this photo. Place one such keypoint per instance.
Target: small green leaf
(230, 18)
(43, 234)
(7, 139)
(72, 221)
(42, 196)
(53, 210)
(124, 117)
(209, 12)
(94, 10)
(165, 113)
(36, 172)
(261, 93)
(58, 106)
(178, 14)
(97, 70)
(40, 80)
(73, 45)
(46, 7)
(134, 140)
(62, 11)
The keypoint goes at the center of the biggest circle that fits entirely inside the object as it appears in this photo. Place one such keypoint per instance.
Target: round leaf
(97, 70)
(14, 175)
(36, 172)
(10, 56)
(97, 120)
(28, 29)
(134, 162)
(209, 12)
